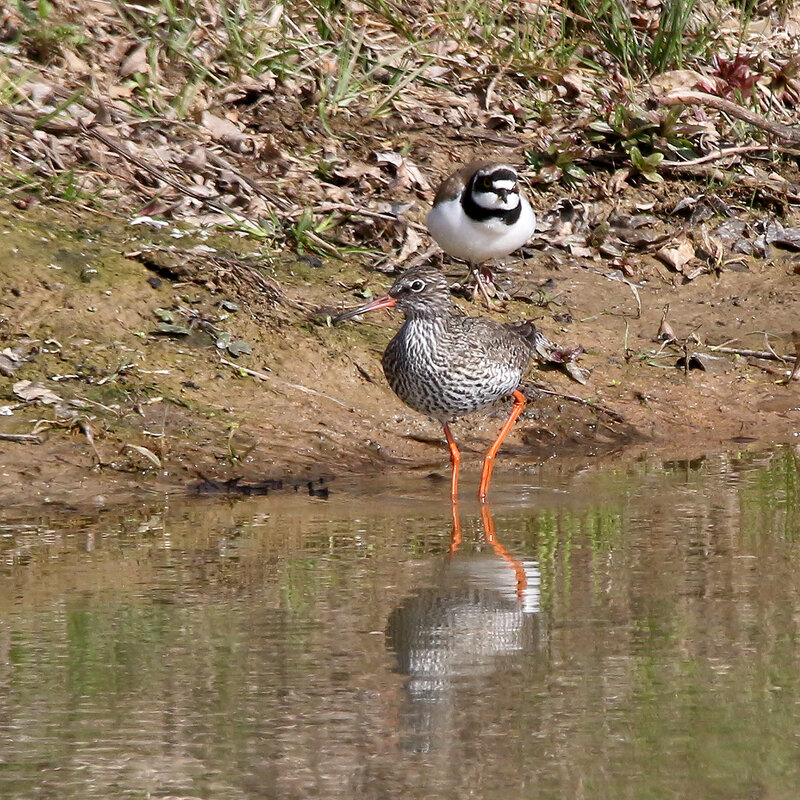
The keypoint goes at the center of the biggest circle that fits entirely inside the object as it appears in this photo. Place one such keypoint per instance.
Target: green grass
(63, 186)
(43, 38)
(639, 51)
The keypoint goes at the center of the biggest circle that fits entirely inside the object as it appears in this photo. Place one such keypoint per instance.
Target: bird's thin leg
(488, 462)
(455, 461)
(455, 536)
(476, 272)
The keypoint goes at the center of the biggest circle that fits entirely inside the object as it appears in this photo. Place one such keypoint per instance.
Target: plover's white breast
(478, 241)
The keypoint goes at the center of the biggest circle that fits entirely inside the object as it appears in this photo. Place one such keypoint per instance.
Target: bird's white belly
(471, 240)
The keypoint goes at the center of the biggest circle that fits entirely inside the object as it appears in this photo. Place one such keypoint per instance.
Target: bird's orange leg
(488, 462)
(455, 536)
(455, 461)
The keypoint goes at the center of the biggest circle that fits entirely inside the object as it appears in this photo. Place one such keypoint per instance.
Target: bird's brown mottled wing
(483, 339)
(454, 183)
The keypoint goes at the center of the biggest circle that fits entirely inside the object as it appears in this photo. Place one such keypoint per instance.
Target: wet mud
(181, 362)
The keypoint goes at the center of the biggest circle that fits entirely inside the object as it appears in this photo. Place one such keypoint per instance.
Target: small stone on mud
(322, 492)
(155, 281)
(239, 348)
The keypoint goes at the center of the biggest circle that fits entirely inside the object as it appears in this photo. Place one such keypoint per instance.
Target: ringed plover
(479, 213)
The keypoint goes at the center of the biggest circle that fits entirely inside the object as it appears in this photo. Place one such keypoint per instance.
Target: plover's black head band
(501, 175)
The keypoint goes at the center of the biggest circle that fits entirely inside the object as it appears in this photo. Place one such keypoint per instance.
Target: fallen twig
(731, 151)
(573, 398)
(739, 351)
(156, 172)
(262, 376)
(31, 122)
(349, 208)
(29, 438)
(147, 167)
(779, 189)
(717, 154)
(692, 98)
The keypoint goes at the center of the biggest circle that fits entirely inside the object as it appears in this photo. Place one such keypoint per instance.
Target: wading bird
(445, 365)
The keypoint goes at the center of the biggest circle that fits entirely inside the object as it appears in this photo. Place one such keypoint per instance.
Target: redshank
(445, 365)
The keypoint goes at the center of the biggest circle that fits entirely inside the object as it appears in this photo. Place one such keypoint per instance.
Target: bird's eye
(417, 285)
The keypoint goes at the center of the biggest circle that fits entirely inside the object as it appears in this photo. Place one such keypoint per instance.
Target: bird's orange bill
(382, 302)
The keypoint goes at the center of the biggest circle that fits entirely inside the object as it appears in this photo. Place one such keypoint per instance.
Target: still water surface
(611, 632)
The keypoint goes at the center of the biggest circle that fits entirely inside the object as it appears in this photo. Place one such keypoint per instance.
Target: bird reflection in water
(481, 613)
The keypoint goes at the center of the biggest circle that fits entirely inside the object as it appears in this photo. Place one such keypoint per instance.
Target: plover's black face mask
(495, 189)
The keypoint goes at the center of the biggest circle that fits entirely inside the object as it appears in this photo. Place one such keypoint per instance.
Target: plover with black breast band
(479, 213)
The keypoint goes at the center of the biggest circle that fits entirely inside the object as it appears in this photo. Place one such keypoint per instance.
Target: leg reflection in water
(477, 618)
(490, 537)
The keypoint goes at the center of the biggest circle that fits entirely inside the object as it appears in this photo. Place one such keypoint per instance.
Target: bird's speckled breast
(438, 368)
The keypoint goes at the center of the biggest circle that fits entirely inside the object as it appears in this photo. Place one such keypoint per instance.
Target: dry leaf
(357, 170)
(410, 246)
(31, 392)
(148, 454)
(618, 181)
(136, 61)
(676, 258)
(225, 131)
(675, 79)
(407, 174)
(572, 83)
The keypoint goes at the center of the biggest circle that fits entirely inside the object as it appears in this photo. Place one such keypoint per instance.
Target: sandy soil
(155, 412)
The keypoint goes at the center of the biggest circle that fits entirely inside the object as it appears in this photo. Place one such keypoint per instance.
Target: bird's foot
(484, 286)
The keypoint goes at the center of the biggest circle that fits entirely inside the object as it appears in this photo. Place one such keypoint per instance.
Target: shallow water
(625, 632)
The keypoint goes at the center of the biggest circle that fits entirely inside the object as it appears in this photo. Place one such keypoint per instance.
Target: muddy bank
(146, 362)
